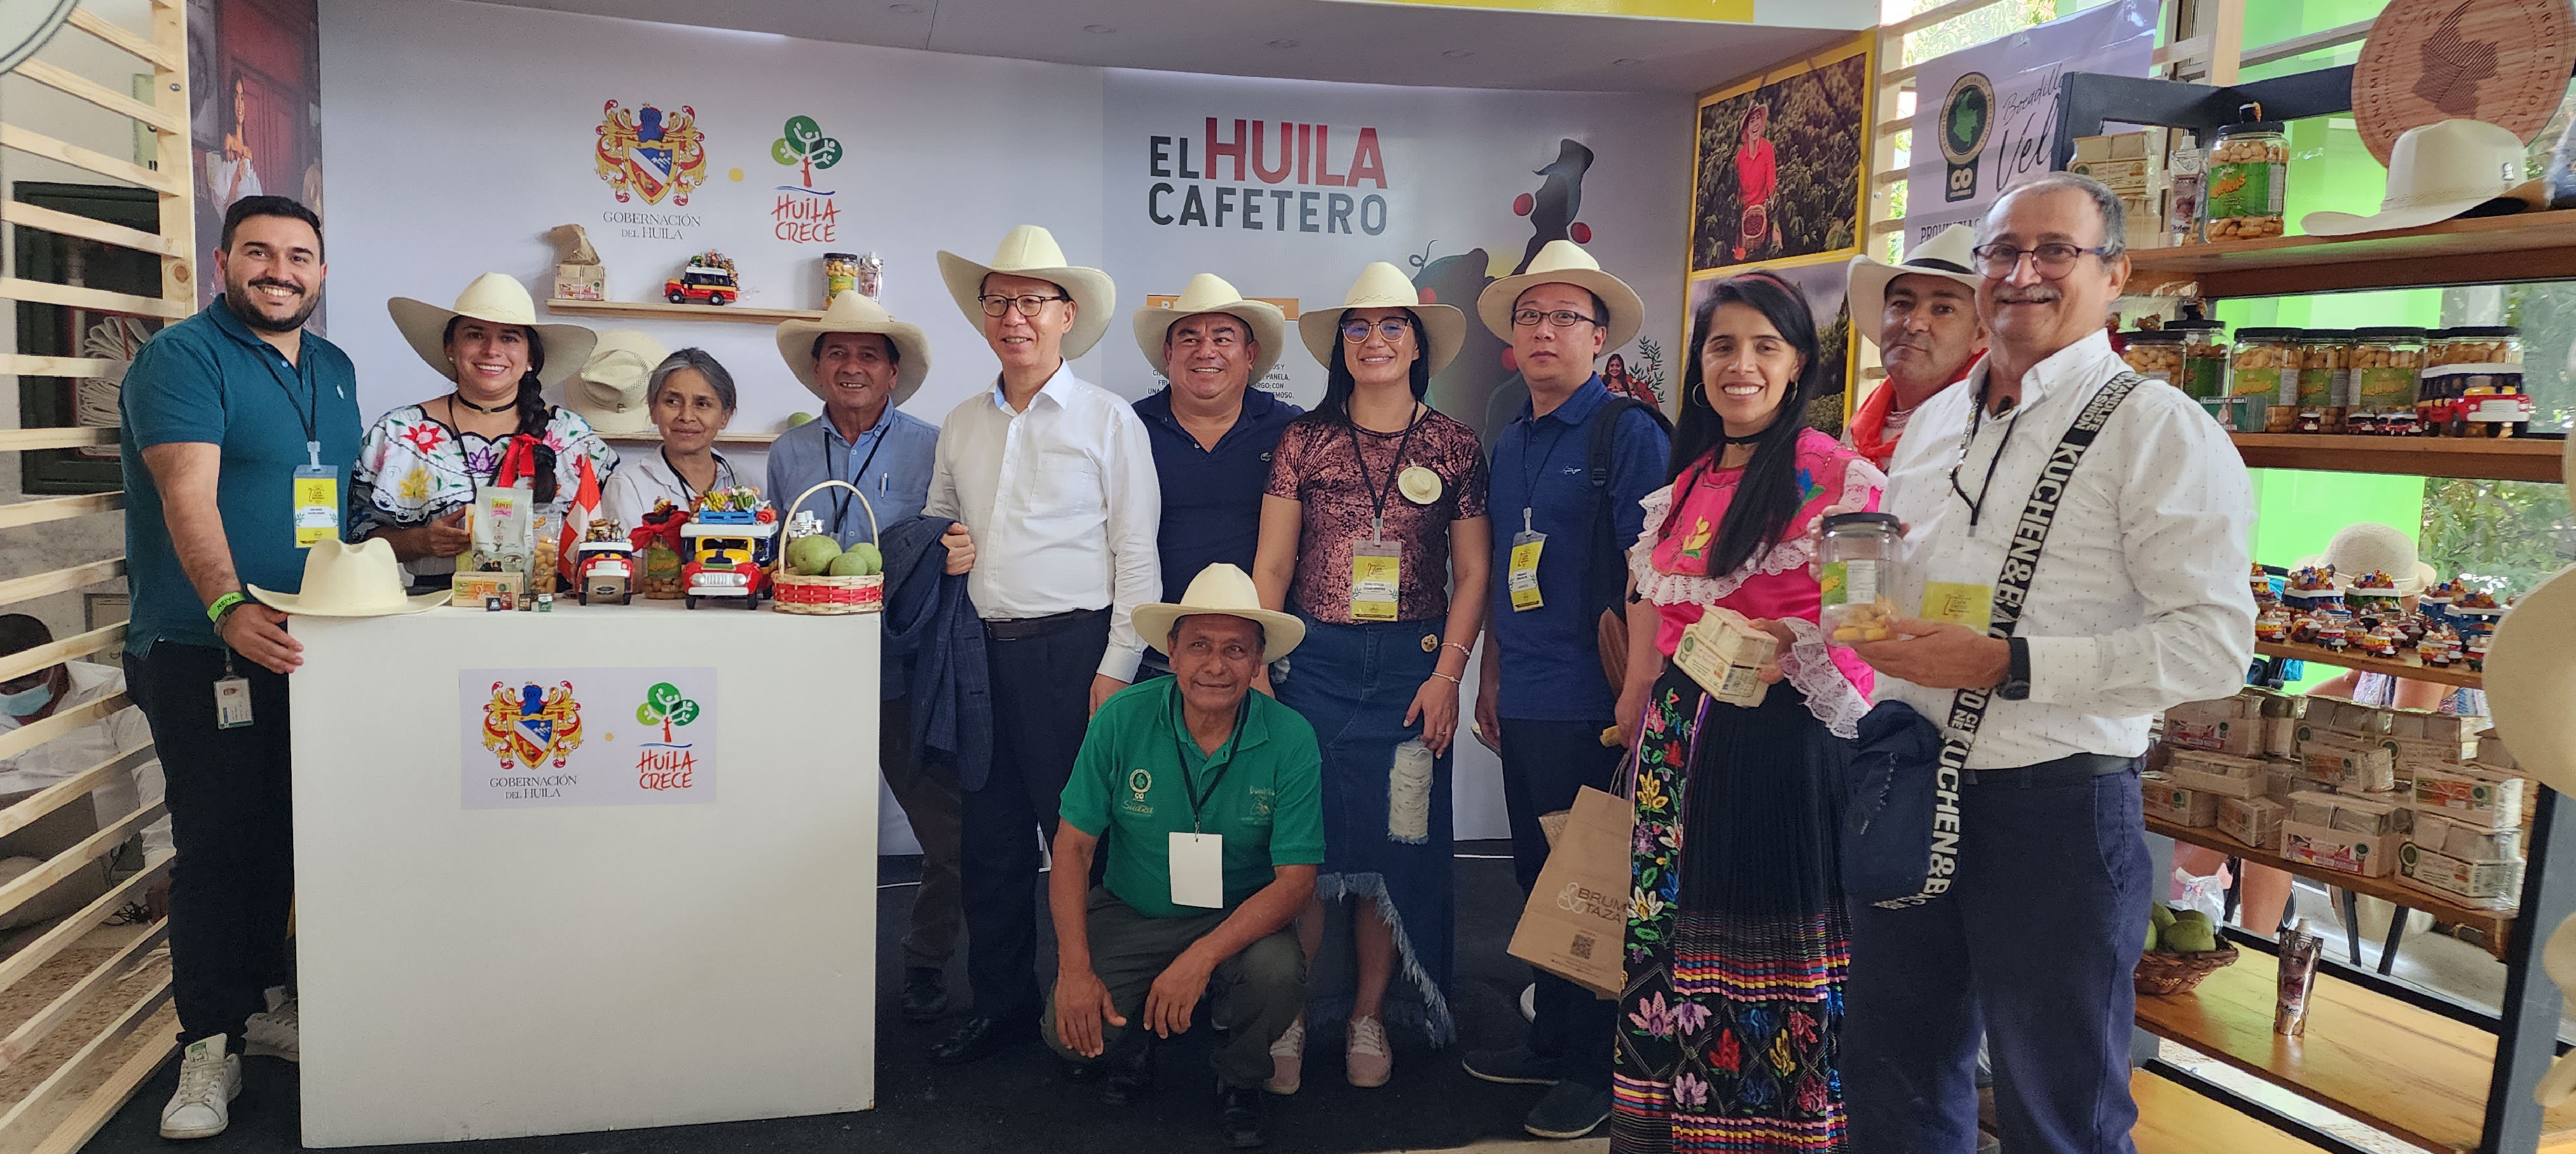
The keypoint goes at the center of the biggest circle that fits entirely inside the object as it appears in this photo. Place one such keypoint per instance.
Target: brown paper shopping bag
(1576, 922)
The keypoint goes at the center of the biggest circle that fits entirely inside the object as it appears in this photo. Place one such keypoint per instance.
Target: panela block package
(2325, 847)
(2170, 802)
(2215, 773)
(2496, 882)
(2464, 795)
(2256, 821)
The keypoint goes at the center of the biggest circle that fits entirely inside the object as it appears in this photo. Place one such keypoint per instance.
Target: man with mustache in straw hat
(865, 364)
(1053, 476)
(1543, 700)
(1928, 333)
(1212, 432)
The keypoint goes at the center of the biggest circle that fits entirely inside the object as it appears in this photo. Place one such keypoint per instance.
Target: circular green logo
(1139, 781)
(1967, 118)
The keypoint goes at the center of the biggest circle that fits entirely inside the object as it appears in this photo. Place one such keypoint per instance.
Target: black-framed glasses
(1560, 318)
(1028, 305)
(1392, 328)
(2054, 259)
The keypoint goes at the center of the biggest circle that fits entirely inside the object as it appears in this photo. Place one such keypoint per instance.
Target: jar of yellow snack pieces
(1856, 570)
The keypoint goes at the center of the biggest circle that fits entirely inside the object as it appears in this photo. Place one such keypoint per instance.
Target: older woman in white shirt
(692, 399)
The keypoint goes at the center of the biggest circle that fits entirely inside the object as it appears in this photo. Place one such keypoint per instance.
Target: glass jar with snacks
(2385, 360)
(2325, 367)
(840, 274)
(1856, 568)
(2156, 353)
(2473, 345)
(2204, 357)
(2265, 359)
(2248, 173)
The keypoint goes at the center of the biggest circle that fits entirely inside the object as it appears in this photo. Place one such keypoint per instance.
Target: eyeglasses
(1029, 305)
(1353, 332)
(1561, 318)
(2054, 260)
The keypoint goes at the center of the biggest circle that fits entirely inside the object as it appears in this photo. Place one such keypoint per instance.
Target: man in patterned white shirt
(1054, 479)
(2138, 602)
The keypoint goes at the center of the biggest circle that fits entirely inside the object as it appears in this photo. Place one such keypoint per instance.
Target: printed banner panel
(531, 738)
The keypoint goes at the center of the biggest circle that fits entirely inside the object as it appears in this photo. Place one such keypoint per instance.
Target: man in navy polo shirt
(1560, 535)
(1212, 432)
(239, 430)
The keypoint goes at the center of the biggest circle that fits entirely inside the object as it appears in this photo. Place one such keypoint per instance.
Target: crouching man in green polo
(1213, 792)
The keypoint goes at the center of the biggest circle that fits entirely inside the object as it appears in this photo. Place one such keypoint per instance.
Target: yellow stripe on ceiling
(1727, 11)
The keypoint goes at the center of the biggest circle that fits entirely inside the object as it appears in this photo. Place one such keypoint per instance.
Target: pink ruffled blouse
(1670, 565)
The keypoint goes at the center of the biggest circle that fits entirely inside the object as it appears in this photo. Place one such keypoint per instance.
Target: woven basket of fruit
(2183, 947)
(816, 577)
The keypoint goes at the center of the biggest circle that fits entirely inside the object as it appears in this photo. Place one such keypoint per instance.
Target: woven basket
(2164, 972)
(825, 596)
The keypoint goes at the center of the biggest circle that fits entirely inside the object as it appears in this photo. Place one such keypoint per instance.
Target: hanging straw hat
(1384, 286)
(853, 312)
(1225, 590)
(1209, 293)
(343, 580)
(2371, 546)
(609, 392)
(1946, 254)
(2438, 171)
(501, 300)
(1565, 262)
(1031, 251)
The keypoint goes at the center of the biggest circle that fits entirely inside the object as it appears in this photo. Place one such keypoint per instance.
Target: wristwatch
(2016, 686)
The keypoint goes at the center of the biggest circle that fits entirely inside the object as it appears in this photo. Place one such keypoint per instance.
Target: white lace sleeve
(1663, 588)
(1809, 665)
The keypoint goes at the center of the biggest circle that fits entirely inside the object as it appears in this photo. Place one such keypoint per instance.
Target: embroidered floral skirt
(1729, 1029)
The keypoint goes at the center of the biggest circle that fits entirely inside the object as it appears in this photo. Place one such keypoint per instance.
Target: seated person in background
(48, 691)
(1216, 795)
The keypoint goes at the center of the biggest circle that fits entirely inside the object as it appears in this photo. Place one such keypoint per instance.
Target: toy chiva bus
(725, 547)
(702, 284)
(606, 572)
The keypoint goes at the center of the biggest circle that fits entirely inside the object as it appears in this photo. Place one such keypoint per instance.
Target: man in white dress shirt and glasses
(2138, 602)
(1054, 480)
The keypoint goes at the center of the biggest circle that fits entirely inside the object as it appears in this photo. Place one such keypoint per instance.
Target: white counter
(491, 951)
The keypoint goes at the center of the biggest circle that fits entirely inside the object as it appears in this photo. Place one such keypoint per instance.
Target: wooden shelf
(2408, 666)
(2541, 245)
(2511, 459)
(662, 311)
(2410, 1072)
(654, 437)
(2175, 1119)
(2496, 924)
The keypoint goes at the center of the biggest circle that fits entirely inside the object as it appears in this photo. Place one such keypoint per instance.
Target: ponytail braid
(534, 414)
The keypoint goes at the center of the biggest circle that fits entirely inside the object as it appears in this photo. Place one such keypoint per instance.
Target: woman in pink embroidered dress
(1737, 944)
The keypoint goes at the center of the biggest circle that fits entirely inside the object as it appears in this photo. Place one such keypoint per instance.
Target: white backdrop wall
(456, 134)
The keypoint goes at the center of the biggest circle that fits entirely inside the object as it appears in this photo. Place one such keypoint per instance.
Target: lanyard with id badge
(1197, 860)
(1377, 564)
(315, 499)
(1967, 603)
(1521, 578)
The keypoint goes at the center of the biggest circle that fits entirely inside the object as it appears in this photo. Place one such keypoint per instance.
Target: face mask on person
(27, 701)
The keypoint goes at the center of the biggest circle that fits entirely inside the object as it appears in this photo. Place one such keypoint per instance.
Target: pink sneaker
(1368, 1064)
(1288, 1060)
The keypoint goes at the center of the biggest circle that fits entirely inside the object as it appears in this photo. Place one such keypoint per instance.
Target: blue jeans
(2035, 945)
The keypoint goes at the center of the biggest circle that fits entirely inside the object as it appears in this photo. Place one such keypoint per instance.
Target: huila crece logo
(804, 213)
(668, 763)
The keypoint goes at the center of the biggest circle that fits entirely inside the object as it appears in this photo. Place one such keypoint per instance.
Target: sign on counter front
(558, 737)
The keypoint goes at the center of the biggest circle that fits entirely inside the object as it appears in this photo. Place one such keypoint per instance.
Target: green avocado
(862, 560)
(811, 555)
(2160, 914)
(2191, 937)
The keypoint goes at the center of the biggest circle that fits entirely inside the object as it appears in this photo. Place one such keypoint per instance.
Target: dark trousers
(928, 795)
(232, 822)
(2035, 943)
(1544, 764)
(1253, 996)
(1041, 678)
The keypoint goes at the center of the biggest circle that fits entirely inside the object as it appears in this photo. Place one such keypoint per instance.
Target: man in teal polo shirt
(1215, 794)
(239, 430)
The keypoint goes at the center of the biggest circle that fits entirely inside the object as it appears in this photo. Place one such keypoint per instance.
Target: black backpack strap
(1608, 575)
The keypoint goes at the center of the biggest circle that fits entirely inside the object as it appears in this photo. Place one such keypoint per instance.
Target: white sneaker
(209, 1080)
(1367, 1062)
(1288, 1060)
(276, 1033)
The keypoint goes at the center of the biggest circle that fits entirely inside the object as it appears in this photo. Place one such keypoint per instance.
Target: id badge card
(232, 703)
(316, 505)
(1959, 603)
(1377, 569)
(1198, 870)
(1522, 578)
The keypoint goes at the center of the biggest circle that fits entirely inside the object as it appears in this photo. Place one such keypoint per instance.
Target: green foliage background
(1816, 136)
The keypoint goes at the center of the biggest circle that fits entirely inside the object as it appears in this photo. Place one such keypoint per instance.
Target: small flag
(576, 528)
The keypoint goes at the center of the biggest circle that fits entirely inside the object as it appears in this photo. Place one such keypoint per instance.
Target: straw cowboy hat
(1384, 286)
(852, 312)
(1226, 590)
(343, 580)
(2371, 545)
(1209, 293)
(1565, 262)
(1031, 251)
(609, 392)
(501, 300)
(2438, 171)
(1946, 255)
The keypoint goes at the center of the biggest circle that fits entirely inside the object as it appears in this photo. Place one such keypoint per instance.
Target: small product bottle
(1857, 567)
(2300, 950)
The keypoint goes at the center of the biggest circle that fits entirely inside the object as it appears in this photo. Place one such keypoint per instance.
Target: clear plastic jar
(2204, 357)
(2249, 169)
(2265, 362)
(2385, 361)
(2473, 345)
(840, 274)
(2155, 353)
(2325, 366)
(1856, 569)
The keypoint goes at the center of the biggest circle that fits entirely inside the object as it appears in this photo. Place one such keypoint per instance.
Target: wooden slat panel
(81, 1059)
(55, 581)
(1947, 12)
(13, 440)
(77, 858)
(2193, 49)
(24, 662)
(58, 508)
(32, 1032)
(30, 365)
(2353, 33)
(71, 83)
(178, 221)
(116, 34)
(35, 954)
(52, 797)
(26, 737)
(26, 140)
(102, 1104)
(43, 292)
(71, 224)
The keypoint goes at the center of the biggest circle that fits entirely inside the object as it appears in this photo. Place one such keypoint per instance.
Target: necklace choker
(460, 399)
(1747, 439)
